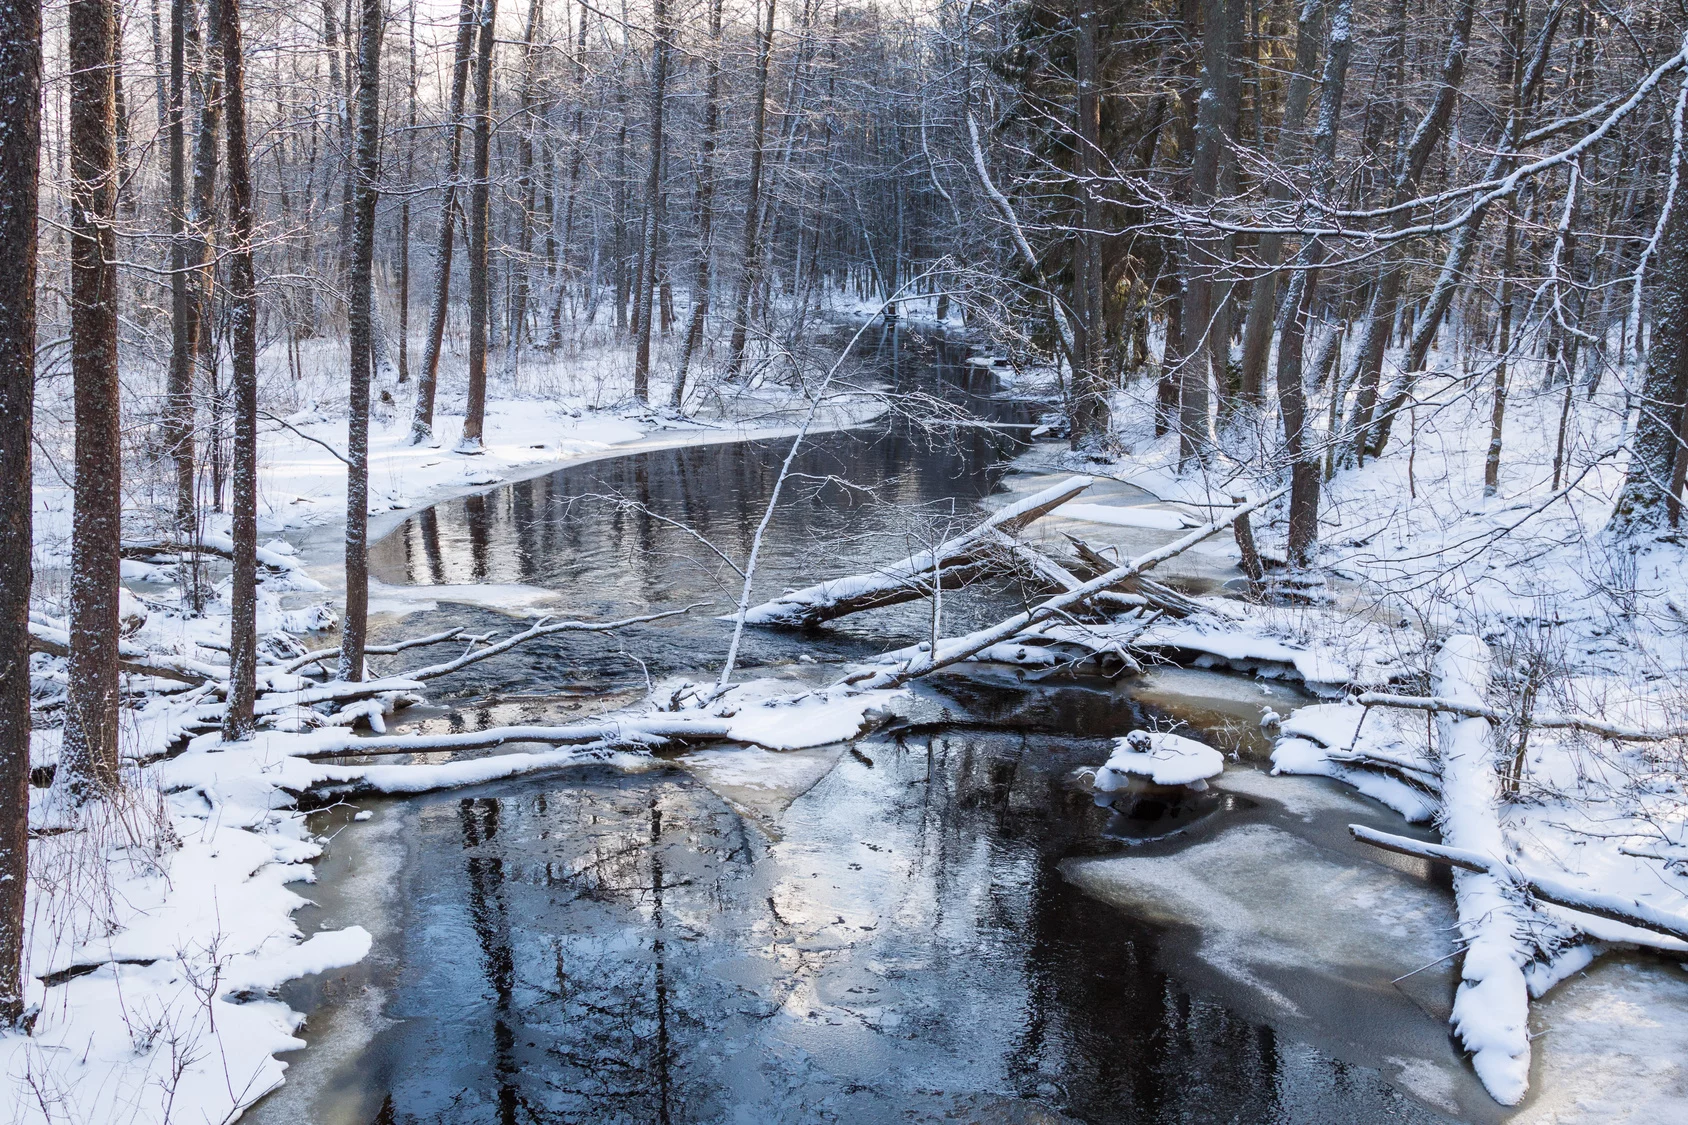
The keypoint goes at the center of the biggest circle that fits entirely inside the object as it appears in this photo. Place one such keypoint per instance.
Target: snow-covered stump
(1492, 1005)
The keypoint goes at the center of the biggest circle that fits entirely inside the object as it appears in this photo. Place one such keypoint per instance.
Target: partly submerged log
(951, 563)
(900, 668)
(1156, 594)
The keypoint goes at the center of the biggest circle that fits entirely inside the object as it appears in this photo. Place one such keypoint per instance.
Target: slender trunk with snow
(366, 166)
(20, 138)
(749, 266)
(653, 209)
(480, 220)
(705, 209)
(427, 380)
(243, 335)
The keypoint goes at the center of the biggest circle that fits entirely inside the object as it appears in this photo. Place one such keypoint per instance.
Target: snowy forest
(1098, 561)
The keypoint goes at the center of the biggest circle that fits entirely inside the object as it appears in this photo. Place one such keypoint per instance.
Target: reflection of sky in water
(626, 949)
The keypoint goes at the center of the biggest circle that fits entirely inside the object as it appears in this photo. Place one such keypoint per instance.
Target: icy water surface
(933, 924)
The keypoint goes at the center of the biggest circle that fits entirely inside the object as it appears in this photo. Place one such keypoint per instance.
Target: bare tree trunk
(1089, 423)
(1263, 303)
(480, 205)
(201, 223)
(243, 333)
(367, 169)
(89, 758)
(748, 268)
(530, 123)
(1220, 18)
(705, 209)
(1302, 546)
(1644, 503)
(20, 138)
(184, 323)
(1503, 345)
(427, 380)
(404, 211)
(653, 198)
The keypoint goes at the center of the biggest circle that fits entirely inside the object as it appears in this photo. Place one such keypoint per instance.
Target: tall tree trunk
(20, 138)
(1302, 545)
(367, 169)
(1409, 169)
(1089, 428)
(404, 209)
(1644, 503)
(243, 335)
(1263, 302)
(201, 225)
(184, 324)
(526, 189)
(427, 380)
(653, 199)
(89, 758)
(748, 267)
(480, 206)
(705, 208)
(1220, 19)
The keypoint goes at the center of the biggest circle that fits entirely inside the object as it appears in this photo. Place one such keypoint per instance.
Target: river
(935, 923)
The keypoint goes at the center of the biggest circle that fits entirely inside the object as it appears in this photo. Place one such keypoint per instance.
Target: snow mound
(1165, 759)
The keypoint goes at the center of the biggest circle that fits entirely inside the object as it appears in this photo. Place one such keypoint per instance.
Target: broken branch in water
(544, 629)
(1613, 908)
(918, 664)
(1475, 710)
(956, 560)
(320, 655)
(623, 732)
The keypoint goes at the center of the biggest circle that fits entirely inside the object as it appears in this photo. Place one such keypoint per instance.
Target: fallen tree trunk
(912, 666)
(1491, 1013)
(1478, 710)
(132, 658)
(321, 655)
(1613, 908)
(1161, 597)
(625, 732)
(953, 562)
(218, 545)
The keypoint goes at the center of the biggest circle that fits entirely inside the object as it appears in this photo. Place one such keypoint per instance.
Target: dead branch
(1613, 731)
(950, 652)
(957, 561)
(1614, 908)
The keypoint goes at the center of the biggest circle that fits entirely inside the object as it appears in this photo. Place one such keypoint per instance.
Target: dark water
(877, 933)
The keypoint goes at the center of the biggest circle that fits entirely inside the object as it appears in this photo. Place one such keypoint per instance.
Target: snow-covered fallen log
(132, 658)
(953, 562)
(1491, 1014)
(930, 659)
(321, 656)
